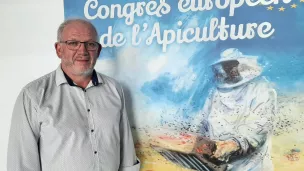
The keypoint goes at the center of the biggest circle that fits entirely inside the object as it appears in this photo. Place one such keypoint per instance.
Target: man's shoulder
(40, 83)
(107, 80)
(262, 83)
(262, 88)
(111, 84)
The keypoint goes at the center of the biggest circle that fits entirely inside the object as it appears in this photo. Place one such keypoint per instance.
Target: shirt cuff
(135, 167)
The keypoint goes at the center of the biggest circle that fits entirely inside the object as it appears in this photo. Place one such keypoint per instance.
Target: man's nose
(83, 48)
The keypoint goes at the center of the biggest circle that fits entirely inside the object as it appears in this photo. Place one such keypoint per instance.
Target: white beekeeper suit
(243, 112)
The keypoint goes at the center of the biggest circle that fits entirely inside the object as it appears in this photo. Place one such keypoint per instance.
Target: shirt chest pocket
(105, 113)
(66, 123)
(107, 122)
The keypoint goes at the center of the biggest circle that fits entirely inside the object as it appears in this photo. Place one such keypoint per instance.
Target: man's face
(231, 68)
(227, 72)
(80, 61)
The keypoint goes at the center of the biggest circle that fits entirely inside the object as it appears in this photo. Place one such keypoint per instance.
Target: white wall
(28, 32)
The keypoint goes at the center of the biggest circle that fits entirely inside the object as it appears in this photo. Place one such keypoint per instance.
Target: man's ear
(58, 49)
(99, 50)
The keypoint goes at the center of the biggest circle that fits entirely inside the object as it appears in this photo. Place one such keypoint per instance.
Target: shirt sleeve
(200, 125)
(257, 124)
(128, 159)
(23, 152)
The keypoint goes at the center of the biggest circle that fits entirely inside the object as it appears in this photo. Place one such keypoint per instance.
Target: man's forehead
(78, 29)
(231, 62)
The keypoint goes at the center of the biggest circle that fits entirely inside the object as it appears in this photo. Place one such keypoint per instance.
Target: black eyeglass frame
(85, 44)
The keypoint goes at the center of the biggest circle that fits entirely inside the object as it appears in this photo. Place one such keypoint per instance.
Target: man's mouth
(82, 60)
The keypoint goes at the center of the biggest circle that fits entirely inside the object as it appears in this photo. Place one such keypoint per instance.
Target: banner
(210, 84)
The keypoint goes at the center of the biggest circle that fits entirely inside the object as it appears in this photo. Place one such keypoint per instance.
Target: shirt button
(92, 130)
(85, 90)
(89, 110)
(95, 152)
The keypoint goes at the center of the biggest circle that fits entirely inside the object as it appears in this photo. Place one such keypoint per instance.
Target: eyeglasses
(74, 44)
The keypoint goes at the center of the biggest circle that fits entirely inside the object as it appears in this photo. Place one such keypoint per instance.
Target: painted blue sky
(182, 76)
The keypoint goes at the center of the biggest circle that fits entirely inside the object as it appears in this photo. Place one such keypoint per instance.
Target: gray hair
(69, 21)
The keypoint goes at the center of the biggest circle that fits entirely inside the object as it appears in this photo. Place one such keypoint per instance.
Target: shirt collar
(62, 78)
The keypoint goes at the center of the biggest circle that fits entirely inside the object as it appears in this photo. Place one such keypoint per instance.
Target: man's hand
(204, 149)
(204, 146)
(224, 149)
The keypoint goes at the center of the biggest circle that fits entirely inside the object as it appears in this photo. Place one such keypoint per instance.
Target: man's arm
(200, 125)
(128, 159)
(255, 129)
(23, 152)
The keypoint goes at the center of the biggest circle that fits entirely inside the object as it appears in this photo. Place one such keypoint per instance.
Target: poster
(204, 74)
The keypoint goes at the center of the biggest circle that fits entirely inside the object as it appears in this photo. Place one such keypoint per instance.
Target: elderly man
(72, 119)
(236, 122)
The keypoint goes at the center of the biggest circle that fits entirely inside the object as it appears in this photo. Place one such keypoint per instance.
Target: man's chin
(86, 72)
(233, 80)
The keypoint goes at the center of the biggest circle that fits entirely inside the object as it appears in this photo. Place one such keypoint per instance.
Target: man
(237, 120)
(72, 119)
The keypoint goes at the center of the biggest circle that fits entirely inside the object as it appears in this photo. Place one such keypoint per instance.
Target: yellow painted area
(284, 159)
(281, 146)
(152, 161)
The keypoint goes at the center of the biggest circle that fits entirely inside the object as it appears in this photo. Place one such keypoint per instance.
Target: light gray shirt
(58, 127)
